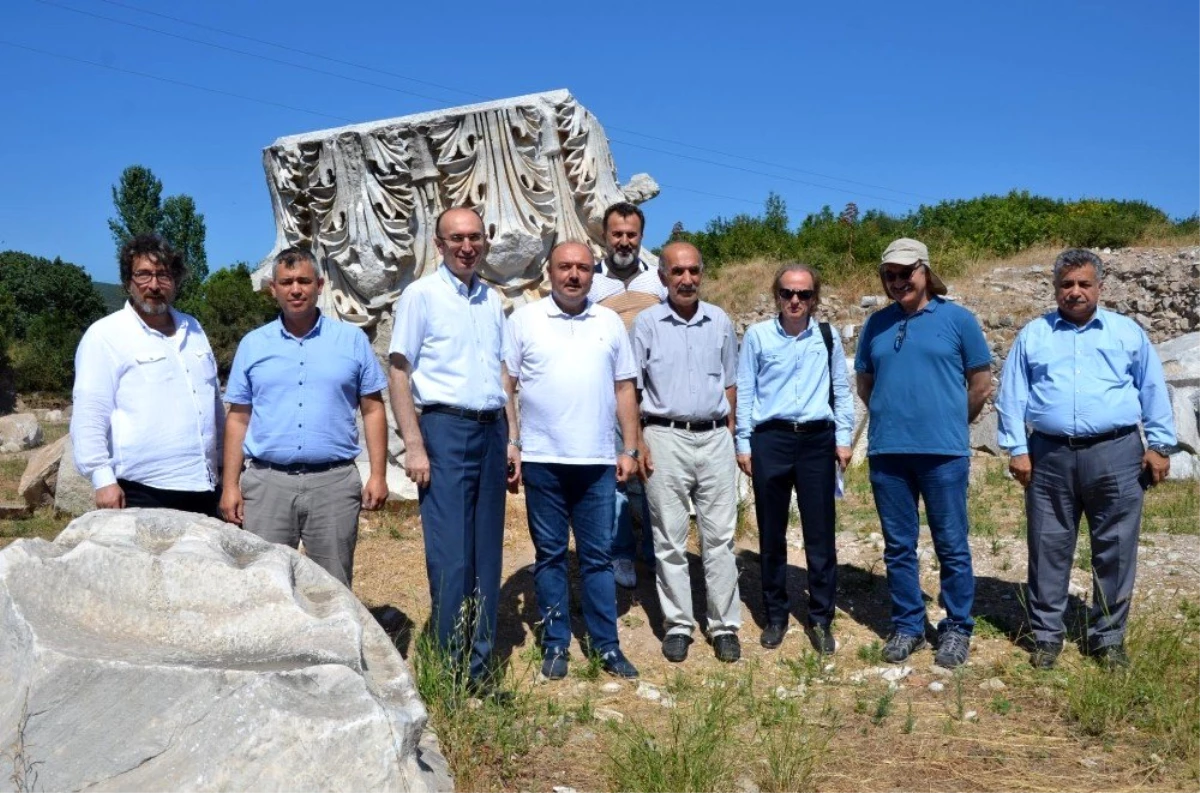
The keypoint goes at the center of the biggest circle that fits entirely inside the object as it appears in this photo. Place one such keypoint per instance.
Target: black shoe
(953, 649)
(554, 663)
(772, 635)
(488, 689)
(727, 647)
(901, 645)
(1045, 655)
(1112, 656)
(675, 647)
(616, 664)
(822, 639)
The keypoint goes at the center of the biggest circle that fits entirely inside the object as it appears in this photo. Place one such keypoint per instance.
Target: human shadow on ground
(396, 624)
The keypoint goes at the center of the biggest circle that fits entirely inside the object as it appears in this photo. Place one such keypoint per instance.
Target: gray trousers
(699, 467)
(320, 510)
(1101, 482)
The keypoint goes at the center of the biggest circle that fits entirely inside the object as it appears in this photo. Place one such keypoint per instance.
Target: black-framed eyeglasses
(788, 294)
(459, 239)
(901, 332)
(143, 277)
(898, 275)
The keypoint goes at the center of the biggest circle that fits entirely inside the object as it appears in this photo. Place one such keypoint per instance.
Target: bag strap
(827, 335)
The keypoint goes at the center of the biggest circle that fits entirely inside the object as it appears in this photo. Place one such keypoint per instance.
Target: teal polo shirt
(920, 364)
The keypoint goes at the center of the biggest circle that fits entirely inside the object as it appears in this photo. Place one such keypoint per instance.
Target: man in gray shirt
(686, 355)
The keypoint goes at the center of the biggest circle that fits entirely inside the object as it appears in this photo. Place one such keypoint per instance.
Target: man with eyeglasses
(128, 367)
(924, 371)
(795, 420)
(1082, 378)
(447, 361)
(628, 286)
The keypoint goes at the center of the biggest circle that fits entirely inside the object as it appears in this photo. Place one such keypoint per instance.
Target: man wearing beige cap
(924, 371)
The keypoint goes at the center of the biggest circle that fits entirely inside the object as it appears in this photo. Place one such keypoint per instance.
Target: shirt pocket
(1114, 366)
(206, 364)
(154, 367)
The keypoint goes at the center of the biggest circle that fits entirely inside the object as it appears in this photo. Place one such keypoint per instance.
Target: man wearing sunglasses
(924, 371)
(795, 419)
(148, 419)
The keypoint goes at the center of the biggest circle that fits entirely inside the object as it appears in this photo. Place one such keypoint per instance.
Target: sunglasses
(898, 275)
(788, 294)
(901, 332)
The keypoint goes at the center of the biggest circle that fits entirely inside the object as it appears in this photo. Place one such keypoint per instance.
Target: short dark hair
(157, 250)
(293, 256)
(624, 209)
(437, 224)
(1077, 257)
(797, 267)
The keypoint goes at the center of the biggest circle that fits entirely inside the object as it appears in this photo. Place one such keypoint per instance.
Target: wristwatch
(1163, 449)
(515, 442)
(631, 452)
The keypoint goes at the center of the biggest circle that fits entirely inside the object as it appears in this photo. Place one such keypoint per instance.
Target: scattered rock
(649, 692)
(20, 430)
(937, 686)
(896, 673)
(608, 714)
(41, 474)
(993, 684)
(73, 494)
(612, 687)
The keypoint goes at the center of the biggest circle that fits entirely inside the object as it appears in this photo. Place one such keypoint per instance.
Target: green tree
(183, 227)
(228, 308)
(138, 201)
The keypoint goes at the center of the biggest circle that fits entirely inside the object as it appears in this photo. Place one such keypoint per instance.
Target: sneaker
(822, 639)
(1112, 656)
(624, 573)
(901, 645)
(953, 649)
(1045, 655)
(616, 664)
(727, 647)
(772, 635)
(554, 663)
(675, 647)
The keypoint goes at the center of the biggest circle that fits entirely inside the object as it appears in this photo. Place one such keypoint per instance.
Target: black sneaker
(953, 649)
(675, 647)
(1045, 655)
(772, 635)
(554, 663)
(1112, 656)
(616, 664)
(901, 645)
(822, 639)
(727, 647)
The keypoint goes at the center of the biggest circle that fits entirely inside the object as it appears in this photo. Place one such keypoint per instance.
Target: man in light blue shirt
(295, 385)
(1081, 379)
(446, 360)
(795, 418)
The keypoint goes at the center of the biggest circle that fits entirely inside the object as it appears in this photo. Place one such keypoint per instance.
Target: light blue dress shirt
(1078, 381)
(453, 338)
(303, 392)
(786, 377)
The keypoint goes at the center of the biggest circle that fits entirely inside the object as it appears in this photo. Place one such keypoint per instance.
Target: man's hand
(743, 461)
(646, 466)
(375, 491)
(416, 465)
(626, 467)
(110, 497)
(514, 469)
(232, 504)
(1158, 465)
(844, 453)
(1021, 467)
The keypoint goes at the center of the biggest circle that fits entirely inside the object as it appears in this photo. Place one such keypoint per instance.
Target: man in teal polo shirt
(924, 371)
(295, 385)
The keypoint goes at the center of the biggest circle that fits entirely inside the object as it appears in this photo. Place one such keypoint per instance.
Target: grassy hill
(112, 294)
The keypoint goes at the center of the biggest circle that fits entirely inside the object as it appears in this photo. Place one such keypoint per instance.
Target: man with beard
(573, 364)
(1082, 379)
(147, 420)
(295, 386)
(627, 285)
(686, 354)
(924, 371)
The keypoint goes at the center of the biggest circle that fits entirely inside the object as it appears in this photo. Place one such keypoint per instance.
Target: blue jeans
(558, 495)
(941, 482)
(631, 500)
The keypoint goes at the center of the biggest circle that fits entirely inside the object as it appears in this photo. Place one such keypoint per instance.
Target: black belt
(300, 468)
(795, 426)
(1084, 441)
(690, 426)
(482, 416)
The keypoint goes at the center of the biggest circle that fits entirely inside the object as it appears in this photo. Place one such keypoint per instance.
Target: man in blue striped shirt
(1081, 379)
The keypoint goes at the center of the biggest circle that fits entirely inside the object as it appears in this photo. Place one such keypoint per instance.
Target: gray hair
(797, 267)
(662, 256)
(1077, 257)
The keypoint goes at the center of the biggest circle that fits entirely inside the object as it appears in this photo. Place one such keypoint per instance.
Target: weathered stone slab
(161, 650)
(1183, 406)
(984, 435)
(20, 431)
(42, 469)
(1181, 359)
(73, 493)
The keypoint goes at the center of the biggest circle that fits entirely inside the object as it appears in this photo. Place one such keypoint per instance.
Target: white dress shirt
(147, 407)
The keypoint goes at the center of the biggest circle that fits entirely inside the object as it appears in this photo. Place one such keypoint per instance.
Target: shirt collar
(700, 316)
(1058, 320)
(812, 324)
(602, 268)
(176, 317)
(452, 280)
(552, 309)
(315, 330)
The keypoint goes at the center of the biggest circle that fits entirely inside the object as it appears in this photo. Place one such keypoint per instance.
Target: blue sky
(886, 104)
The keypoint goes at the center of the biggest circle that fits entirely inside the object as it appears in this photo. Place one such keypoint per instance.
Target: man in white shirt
(629, 286)
(147, 419)
(446, 360)
(574, 366)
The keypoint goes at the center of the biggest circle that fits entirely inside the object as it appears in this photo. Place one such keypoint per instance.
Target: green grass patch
(1172, 507)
